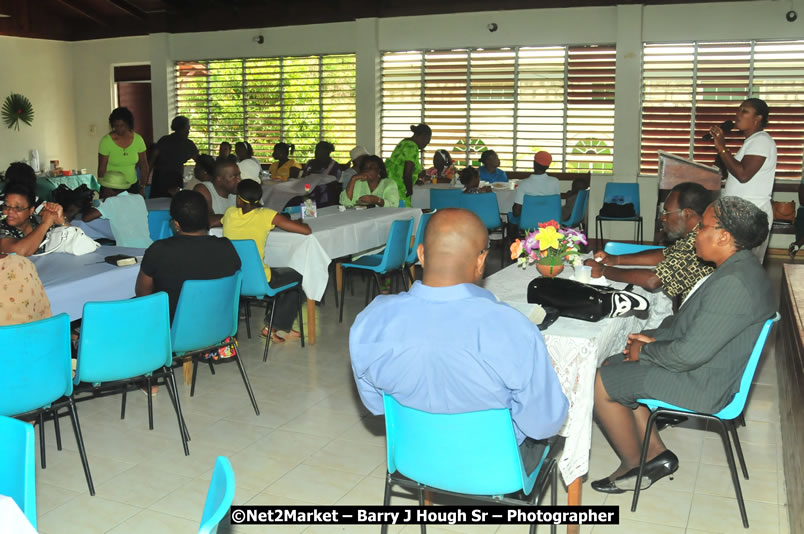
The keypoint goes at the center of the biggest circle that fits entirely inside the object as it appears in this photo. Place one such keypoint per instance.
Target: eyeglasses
(16, 209)
(665, 213)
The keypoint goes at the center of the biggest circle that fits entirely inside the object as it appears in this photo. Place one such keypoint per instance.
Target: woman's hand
(52, 213)
(717, 137)
(634, 345)
(371, 200)
(597, 267)
(605, 259)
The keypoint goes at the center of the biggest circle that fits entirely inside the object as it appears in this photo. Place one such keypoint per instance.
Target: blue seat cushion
(370, 262)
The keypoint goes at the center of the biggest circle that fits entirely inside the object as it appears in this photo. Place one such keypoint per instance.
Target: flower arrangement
(550, 244)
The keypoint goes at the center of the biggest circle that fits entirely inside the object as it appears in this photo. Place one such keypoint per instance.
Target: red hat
(543, 158)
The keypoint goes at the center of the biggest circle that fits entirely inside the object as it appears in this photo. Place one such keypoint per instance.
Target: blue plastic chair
(254, 287)
(290, 210)
(39, 374)
(578, 210)
(619, 193)
(112, 354)
(413, 257)
(401, 202)
(485, 206)
(445, 198)
(539, 209)
(617, 248)
(206, 315)
(18, 465)
(723, 421)
(472, 455)
(159, 224)
(392, 259)
(220, 496)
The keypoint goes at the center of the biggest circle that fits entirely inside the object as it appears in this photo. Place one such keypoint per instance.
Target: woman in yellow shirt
(284, 167)
(249, 220)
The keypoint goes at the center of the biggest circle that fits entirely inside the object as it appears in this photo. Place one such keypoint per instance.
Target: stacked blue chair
(539, 209)
(392, 260)
(206, 316)
(18, 465)
(472, 455)
(39, 375)
(618, 193)
(413, 257)
(722, 421)
(618, 249)
(159, 224)
(578, 210)
(112, 354)
(220, 496)
(254, 288)
(485, 206)
(445, 198)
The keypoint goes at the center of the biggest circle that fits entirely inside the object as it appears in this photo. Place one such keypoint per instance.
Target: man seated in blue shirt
(470, 352)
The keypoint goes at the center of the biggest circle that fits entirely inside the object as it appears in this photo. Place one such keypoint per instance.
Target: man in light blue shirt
(467, 351)
(537, 184)
(127, 213)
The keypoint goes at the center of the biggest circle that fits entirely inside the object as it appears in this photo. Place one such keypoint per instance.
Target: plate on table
(500, 185)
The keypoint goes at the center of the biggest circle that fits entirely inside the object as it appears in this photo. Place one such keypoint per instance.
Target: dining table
(277, 193)
(576, 349)
(72, 281)
(505, 191)
(335, 234)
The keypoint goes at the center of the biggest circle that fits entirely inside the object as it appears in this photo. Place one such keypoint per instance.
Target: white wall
(42, 71)
(93, 65)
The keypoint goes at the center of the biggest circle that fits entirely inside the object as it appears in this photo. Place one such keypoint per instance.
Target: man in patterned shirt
(675, 269)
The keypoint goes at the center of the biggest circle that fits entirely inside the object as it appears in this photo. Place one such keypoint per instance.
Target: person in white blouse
(751, 172)
(249, 165)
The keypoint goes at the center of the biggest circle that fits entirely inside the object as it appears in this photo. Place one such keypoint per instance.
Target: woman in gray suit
(696, 358)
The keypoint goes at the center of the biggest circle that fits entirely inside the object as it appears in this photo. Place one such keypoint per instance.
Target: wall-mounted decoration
(17, 108)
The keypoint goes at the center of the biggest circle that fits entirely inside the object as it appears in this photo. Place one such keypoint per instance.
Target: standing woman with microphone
(752, 170)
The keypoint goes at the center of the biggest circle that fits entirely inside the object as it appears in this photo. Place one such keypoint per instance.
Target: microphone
(726, 126)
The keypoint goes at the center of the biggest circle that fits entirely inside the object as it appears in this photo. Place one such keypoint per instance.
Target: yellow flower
(548, 238)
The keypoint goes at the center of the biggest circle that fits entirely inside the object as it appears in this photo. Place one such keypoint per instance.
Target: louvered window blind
(688, 87)
(515, 101)
(299, 100)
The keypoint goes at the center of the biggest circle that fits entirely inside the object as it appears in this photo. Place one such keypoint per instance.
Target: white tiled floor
(314, 443)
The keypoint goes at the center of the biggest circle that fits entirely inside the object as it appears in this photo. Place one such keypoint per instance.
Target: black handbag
(583, 301)
(618, 211)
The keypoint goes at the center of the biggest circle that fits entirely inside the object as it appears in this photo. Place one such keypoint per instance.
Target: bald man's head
(454, 248)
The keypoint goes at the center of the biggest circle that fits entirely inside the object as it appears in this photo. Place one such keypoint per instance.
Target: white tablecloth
(577, 348)
(12, 519)
(421, 196)
(276, 194)
(335, 234)
(72, 281)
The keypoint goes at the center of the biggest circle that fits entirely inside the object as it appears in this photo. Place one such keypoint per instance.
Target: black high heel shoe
(663, 465)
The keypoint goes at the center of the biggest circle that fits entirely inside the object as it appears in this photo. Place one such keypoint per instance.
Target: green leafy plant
(17, 108)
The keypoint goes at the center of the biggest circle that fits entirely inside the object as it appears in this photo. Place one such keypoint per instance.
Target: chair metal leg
(211, 367)
(195, 371)
(368, 291)
(79, 440)
(270, 329)
(422, 527)
(248, 318)
(386, 500)
(170, 382)
(553, 493)
(724, 435)
(123, 402)
(42, 438)
(301, 321)
(733, 429)
(643, 458)
(173, 391)
(247, 383)
(343, 291)
(57, 429)
(150, 403)
(741, 420)
(378, 286)
(404, 281)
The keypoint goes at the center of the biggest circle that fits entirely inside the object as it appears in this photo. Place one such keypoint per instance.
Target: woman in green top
(371, 186)
(123, 150)
(404, 165)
